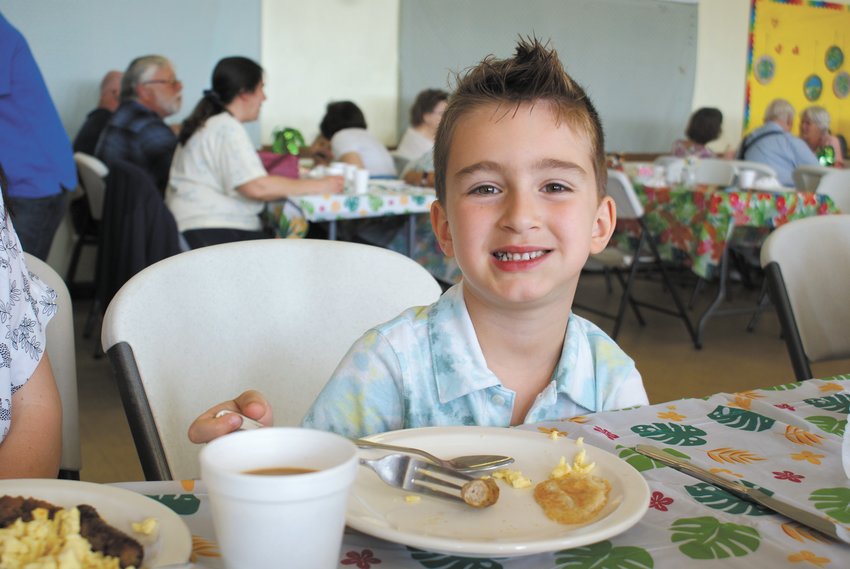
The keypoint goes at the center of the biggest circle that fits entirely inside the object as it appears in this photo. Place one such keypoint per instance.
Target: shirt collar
(459, 365)
(456, 357)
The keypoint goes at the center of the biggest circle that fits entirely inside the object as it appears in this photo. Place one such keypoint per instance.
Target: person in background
(704, 126)
(34, 146)
(30, 408)
(774, 145)
(110, 98)
(137, 133)
(218, 186)
(425, 115)
(345, 126)
(521, 203)
(814, 130)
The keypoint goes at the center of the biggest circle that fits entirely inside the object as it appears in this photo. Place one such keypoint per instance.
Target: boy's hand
(250, 403)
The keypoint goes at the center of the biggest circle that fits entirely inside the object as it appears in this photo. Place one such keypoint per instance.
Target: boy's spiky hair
(533, 74)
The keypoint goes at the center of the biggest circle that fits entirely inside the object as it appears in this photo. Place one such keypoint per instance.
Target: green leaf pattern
(835, 502)
(672, 433)
(439, 561)
(783, 387)
(182, 504)
(718, 499)
(741, 419)
(641, 462)
(604, 555)
(839, 403)
(828, 424)
(709, 538)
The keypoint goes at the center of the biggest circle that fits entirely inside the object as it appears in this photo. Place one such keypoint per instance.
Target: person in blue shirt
(774, 145)
(34, 146)
(521, 204)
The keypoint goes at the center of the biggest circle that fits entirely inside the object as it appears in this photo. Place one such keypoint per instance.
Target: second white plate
(516, 524)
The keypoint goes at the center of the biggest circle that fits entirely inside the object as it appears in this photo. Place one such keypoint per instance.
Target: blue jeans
(36, 221)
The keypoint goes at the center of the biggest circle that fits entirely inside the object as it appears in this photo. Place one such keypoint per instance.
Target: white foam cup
(361, 181)
(285, 520)
(746, 179)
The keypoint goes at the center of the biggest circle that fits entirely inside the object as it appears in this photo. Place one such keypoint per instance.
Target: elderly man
(110, 98)
(774, 145)
(136, 133)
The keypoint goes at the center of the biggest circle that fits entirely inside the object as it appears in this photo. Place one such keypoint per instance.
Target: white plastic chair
(761, 170)
(276, 315)
(836, 184)
(642, 257)
(806, 178)
(63, 360)
(715, 172)
(807, 266)
(91, 174)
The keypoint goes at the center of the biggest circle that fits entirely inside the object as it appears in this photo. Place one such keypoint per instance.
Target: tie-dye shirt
(426, 368)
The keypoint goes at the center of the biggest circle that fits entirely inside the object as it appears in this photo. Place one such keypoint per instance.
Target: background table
(384, 198)
(785, 439)
(696, 226)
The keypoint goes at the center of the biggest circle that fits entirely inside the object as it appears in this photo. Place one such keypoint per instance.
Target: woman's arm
(33, 446)
(267, 188)
(352, 158)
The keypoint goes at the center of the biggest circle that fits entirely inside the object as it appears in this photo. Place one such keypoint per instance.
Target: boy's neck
(521, 346)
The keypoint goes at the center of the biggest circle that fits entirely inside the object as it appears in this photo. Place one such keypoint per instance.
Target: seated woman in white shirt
(217, 185)
(425, 115)
(345, 126)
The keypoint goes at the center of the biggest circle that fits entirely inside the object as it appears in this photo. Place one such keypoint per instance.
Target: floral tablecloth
(384, 198)
(694, 226)
(786, 440)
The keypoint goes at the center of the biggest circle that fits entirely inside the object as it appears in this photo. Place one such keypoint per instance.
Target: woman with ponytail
(217, 186)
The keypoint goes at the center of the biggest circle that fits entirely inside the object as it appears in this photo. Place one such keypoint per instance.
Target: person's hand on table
(326, 185)
(250, 403)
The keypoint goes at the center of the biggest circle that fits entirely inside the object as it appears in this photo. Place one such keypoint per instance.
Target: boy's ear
(603, 225)
(440, 225)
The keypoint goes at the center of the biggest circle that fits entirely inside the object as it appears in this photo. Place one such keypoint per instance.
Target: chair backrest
(807, 263)
(92, 173)
(275, 315)
(668, 160)
(60, 348)
(761, 170)
(806, 178)
(624, 195)
(836, 184)
(715, 172)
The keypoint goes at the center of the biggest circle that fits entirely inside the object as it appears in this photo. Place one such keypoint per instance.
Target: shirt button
(498, 400)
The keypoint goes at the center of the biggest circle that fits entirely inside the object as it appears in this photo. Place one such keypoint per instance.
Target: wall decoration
(797, 52)
(813, 87)
(841, 85)
(834, 58)
(765, 69)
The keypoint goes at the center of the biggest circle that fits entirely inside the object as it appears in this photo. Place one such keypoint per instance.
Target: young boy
(520, 179)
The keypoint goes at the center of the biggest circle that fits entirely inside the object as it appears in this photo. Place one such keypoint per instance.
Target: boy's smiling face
(521, 212)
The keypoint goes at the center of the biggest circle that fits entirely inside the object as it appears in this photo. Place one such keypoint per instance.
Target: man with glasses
(137, 133)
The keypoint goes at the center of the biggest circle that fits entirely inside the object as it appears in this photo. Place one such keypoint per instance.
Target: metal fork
(419, 476)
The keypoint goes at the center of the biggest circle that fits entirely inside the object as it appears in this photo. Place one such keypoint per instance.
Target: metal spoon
(470, 463)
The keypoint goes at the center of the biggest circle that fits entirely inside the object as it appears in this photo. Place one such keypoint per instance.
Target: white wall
(319, 51)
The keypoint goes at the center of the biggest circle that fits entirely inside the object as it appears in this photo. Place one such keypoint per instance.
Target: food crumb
(513, 477)
(147, 526)
(411, 499)
(580, 441)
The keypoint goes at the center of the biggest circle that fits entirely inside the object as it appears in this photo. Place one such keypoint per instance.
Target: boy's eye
(555, 187)
(485, 189)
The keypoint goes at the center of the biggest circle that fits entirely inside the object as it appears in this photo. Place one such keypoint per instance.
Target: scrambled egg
(50, 544)
(147, 527)
(579, 466)
(411, 499)
(513, 477)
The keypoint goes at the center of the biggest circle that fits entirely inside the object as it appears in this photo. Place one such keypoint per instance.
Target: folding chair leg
(696, 292)
(632, 302)
(763, 302)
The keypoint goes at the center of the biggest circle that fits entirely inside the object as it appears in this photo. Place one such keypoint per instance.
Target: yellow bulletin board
(799, 51)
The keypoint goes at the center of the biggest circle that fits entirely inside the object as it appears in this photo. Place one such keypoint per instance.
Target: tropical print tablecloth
(384, 198)
(694, 226)
(786, 440)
